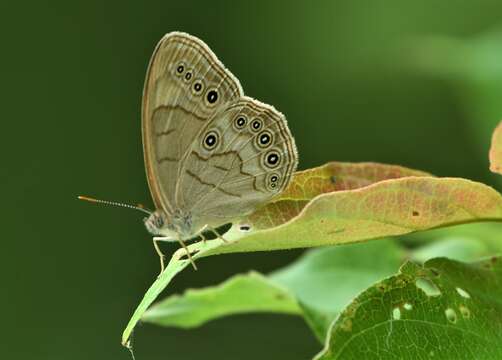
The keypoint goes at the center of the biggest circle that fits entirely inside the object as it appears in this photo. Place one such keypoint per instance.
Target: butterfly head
(156, 223)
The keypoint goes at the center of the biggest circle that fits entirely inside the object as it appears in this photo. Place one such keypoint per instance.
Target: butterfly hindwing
(244, 156)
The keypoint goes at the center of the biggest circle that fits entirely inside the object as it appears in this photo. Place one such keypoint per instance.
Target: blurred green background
(410, 83)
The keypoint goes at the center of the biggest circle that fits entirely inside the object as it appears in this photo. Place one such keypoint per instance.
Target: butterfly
(212, 155)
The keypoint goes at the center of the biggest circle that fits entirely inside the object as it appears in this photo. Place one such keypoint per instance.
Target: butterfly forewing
(185, 86)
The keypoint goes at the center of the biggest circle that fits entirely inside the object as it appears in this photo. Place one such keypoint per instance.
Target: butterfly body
(179, 225)
(212, 155)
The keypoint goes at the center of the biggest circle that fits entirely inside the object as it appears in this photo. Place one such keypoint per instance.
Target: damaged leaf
(443, 309)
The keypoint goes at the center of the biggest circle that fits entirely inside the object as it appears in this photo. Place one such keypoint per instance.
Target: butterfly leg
(201, 233)
(217, 234)
(182, 243)
(156, 239)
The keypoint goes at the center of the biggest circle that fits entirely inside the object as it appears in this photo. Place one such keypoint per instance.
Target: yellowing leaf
(496, 150)
(333, 176)
(386, 208)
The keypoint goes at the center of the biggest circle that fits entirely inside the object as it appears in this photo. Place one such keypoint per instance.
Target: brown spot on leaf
(382, 287)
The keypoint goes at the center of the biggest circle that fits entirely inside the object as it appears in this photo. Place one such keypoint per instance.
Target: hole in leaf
(415, 213)
(451, 315)
(428, 287)
(407, 306)
(396, 313)
(245, 228)
(463, 293)
(333, 179)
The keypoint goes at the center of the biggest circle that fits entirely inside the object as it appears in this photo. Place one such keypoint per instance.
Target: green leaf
(175, 265)
(477, 229)
(467, 242)
(496, 150)
(318, 321)
(349, 269)
(454, 247)
(386, 208)
(443, 309)
(302, 288)
(240, 294)
(325, 280)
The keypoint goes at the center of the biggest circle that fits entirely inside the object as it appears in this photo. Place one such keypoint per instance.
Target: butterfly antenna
(114, 203)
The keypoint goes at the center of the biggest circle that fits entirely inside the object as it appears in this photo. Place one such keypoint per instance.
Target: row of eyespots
(241, 121)
(198, 86)
(264, 139)
(271, 159)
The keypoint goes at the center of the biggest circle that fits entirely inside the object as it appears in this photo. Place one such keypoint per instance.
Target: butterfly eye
(272, 159)
(240, 122)
(264, 139)
(256, 124)
(210, 140)
(197, 87)
(159, 221)
(212, 96)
